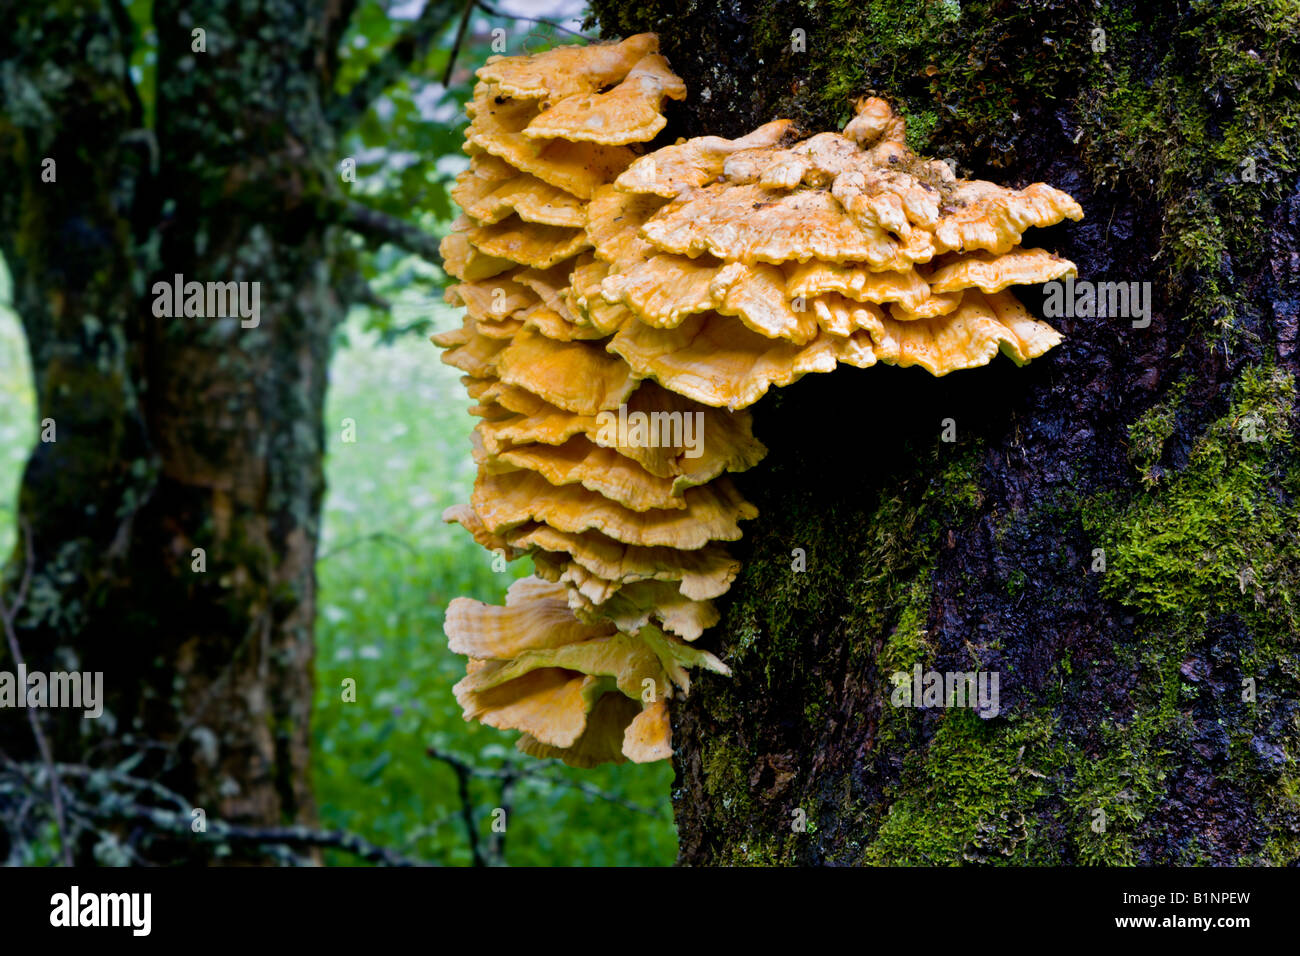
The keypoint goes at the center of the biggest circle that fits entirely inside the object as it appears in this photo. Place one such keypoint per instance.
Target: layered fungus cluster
(623, 307)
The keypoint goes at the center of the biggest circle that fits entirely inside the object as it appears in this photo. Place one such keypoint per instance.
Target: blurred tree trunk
(174, 520)
(1114, 532)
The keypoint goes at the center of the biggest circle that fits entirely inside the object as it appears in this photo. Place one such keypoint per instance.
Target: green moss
(1147, 435)
(1016, 582)
(1223, 535)
(892, 595)
(977, 793)
(724, 771)
(967, 796)
(1112, 790)
(726, 782)
(1213, 170)
(886, 577)
(1217, 540)
(1176, 555)
(907, 644)
(920, 128)
(1283, 802)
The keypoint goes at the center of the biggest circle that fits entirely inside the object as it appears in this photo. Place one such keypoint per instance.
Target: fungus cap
(631, 112)
(717, 361)
(576, 376)
(993, 273)
(597, 469)
(566, 70)
(712, 512)
(673, 170)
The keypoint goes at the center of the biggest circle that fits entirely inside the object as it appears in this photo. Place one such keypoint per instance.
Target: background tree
(1115, 530)
(168, 533)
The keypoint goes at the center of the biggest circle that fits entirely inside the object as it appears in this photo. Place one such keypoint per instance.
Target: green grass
(388, 567)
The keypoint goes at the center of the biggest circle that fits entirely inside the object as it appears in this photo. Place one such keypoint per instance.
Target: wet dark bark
(175, 433)
(1120, 690)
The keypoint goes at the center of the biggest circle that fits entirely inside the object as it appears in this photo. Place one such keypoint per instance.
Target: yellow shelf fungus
(622, 309)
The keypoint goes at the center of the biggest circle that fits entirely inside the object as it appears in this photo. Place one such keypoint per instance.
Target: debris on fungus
(623, 307)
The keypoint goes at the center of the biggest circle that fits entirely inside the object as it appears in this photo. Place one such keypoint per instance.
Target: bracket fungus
(623, 307)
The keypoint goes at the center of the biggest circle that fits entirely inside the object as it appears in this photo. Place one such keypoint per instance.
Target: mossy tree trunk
(1115, 531)
(173, 519)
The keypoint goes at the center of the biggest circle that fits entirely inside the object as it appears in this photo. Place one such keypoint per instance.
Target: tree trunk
(174, 520)
(1114, 530)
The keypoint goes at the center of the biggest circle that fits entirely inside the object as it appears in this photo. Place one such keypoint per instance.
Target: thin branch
(179, 819)
(497, 841)
(24, 583)
(358, 290)
(8, 615)
(592, 790)
(338, 15)
(344, 111)
(463, 773)
(219, 830)
(452, 760)
(379, 227)
(374, 536)
(527, 773)
(490, 11)
(166, 795)
(460, 38)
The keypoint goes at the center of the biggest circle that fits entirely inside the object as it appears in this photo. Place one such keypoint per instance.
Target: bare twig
(497, 841)
(179, 819)
(510, 16)
(463, 773)
(494, 854)
(379, 227)
(460, 38)
(526, 773)
(374, 536)
(9, 615)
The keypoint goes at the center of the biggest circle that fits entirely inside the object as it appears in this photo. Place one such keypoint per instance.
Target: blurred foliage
(144, 55)
(17, 412)
(407, 146)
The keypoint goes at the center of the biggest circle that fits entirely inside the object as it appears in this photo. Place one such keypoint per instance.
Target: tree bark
(1114, 531)
(175, 433)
